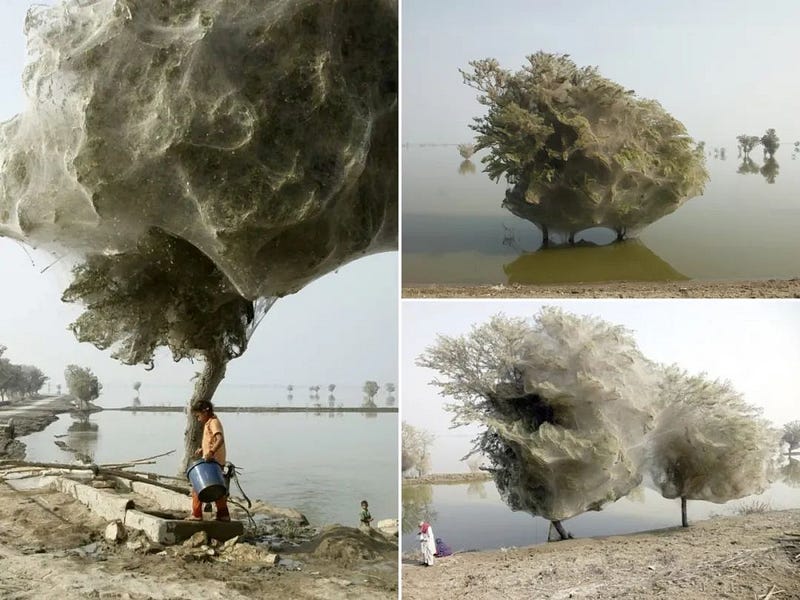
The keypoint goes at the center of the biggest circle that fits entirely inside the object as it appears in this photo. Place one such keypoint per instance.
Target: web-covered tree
(791, 435)
(747, 143)
(708, 443)
(564, 404)
(581, 150)
(415, 448)
(771, 142)
(83, 384)
(166, 293)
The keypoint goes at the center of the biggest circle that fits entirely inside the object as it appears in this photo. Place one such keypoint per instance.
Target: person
(427, 543)
(366, 518)
(212, 448)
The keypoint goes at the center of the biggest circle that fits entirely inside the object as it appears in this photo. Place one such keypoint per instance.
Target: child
(366, 518)
(212, 448)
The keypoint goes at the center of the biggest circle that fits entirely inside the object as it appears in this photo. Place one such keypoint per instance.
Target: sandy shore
(770, 288)
(742, 557)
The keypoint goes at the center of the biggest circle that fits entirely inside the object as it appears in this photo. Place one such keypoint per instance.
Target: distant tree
(790, 472)
(31, 380)
(415, 444)
(290, 388)
(771, 142)
(331, 387)
(164, 293)
(791, 435)
(58, 389)
(136, 386)
(371, 389)
(83, 384)
(466, 150)
(722, 153)
(707, 443)
(390, 388)
(747, 142)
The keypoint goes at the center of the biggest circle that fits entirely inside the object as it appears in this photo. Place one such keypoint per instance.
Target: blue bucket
(207, 480)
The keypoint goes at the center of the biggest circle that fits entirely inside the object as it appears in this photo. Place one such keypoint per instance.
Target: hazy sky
(753, 343)
(722, 67)
(341, 328)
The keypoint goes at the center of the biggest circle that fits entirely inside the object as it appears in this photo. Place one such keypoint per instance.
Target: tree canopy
(415, 445)
(19, 380)
(82, 383)
(580, 149)
(574, 416)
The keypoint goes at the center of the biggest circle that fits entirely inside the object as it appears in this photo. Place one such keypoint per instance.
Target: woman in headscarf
(427, 543)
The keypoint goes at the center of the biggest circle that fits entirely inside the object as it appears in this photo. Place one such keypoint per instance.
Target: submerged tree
(415, 445)
(708, 443)
(83, 384)
(771, 142)
(370, 389)
(166, 293)
(564, 402)
(748, 167)
(791, 435)
(579, 149)
(747, 142)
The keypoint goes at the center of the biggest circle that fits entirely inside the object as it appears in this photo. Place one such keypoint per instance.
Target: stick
(127, 475)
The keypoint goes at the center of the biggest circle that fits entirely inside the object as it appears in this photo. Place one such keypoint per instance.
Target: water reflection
(467, 167)
(417, 506)
(630, 260)
(476, 489)
(770, 170)
(790, 472)
(81, 438)
(748, 166)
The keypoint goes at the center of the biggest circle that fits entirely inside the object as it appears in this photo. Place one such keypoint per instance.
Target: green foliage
(580, 148)
(19, 380)
(165, 293)
(770, 141)
(82, 383)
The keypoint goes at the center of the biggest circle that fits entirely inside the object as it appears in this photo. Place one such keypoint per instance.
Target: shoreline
(767, 288)
(724, 557)
(263, 409)
(447, 478)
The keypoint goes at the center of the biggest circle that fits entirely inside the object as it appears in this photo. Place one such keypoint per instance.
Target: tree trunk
(561, 531)
(213, 373)
(684, 520)
(545, 236)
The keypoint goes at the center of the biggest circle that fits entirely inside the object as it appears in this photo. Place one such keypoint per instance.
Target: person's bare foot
(225, 518)
(193, 518)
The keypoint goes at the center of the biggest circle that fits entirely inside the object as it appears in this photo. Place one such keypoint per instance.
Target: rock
(115, 532)
(198, 539)
(230, 543)
(135, 545)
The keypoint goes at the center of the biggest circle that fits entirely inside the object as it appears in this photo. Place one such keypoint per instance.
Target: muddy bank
(52, 546)
(769, 288)
(18, 419)
(726, 557)
(440, 478)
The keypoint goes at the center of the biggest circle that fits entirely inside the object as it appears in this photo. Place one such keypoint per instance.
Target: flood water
(455, 230)
(473, 517)
(117, 396)
(321, 465)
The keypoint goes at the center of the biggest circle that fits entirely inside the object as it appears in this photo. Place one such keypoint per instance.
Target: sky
(341, 328)
(722, 67)
(752, 343)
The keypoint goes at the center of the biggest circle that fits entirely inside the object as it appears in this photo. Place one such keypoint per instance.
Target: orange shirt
(210, 429)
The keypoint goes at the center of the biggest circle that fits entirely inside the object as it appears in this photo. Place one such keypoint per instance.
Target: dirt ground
(51, 546)
(772, 288)
(742, 557)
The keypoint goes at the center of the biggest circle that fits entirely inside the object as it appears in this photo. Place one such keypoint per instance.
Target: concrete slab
(171, 531)
(111, 506)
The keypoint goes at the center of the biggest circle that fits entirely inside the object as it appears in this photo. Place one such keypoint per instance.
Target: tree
(370, 389)
(331, 387)
(771, 142)
(83, 384)
(564, 402)
(579, 149)
(791, 435)
(165, 293)
(466, 150)
(415, 444)
(390, 388)
(707, 443)
(31, 380)
(747, 142)
(136, 387)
